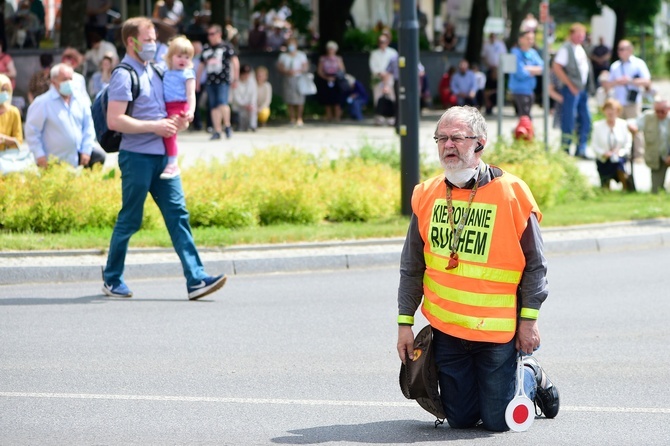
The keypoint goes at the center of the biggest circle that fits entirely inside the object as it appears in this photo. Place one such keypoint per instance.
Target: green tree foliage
(72, 31)
(333, 15)
(628, 12)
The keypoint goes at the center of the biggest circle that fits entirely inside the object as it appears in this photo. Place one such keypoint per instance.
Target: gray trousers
(658, 178)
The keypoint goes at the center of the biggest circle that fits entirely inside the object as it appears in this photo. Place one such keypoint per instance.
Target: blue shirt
(463, 82)
(522, 82)
(149, 106)
(174, 84)
(56, 128)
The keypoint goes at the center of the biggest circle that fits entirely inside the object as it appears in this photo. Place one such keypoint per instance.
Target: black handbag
(419, 376)
(385, 107)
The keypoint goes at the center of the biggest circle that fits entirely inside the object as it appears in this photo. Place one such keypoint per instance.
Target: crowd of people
(578, 71)
(224, 95)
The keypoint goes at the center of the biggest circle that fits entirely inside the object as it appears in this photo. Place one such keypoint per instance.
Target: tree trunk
(516, 11)
(333, 15)
(480, 12)
(3, 38)
(619, 30)
(219, 13)
(73, 32)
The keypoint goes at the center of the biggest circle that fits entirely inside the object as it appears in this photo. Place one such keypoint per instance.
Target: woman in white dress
(611, 141)
(292, 64)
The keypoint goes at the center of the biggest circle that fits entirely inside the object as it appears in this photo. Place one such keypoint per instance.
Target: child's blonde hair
(179, 45)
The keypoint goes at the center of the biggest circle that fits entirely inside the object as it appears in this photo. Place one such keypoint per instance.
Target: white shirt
(561, 58)
(481, 80)
(295, 63)
(54, 127)
(604, 138)
(246, 93)
(632, 68)
(491, 52)
(380, 59)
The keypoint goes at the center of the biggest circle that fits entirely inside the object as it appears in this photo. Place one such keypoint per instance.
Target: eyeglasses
(456, 139)
(212, 33)
(623, 48)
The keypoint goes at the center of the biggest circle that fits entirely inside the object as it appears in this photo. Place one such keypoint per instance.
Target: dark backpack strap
(134, 84)
(160, 70)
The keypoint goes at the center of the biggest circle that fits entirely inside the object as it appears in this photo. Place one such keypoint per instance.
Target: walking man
(223, 70)
(142, 159)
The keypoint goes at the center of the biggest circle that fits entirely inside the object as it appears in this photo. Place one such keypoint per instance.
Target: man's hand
(41, 161)
(405, 342)
(527, 337)
(84, 159)
(181, 122)
(632, 128)
(166, 127)
(574, 90)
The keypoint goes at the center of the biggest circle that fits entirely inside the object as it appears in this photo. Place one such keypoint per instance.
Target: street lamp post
(408, 102)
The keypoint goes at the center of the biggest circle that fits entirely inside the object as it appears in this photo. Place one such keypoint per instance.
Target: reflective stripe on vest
(477, 300)
(473, 271)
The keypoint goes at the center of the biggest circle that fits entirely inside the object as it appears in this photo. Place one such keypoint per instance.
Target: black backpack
(110, 140)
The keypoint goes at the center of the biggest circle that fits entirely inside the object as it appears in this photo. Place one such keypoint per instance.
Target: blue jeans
(575, 110)
(355, 108)
(477, 380)
(217, 94)
(140, 174)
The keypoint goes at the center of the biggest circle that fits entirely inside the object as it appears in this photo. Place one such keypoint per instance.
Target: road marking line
(207, 399)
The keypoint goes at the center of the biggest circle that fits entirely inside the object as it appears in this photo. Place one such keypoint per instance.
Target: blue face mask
(65, 88)
(291, 48)
(4, 97)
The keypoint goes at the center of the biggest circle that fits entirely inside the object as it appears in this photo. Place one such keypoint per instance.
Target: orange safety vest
(476, 300)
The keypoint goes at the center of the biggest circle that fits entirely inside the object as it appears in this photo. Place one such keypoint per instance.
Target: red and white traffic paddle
(520, 412)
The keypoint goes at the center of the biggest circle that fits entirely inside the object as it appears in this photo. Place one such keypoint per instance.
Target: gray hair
(470, 116)
(56, 69)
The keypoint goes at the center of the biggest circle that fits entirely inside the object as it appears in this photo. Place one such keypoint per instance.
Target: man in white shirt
(572, 67)
(382, 80)
(492, 50)
(629, 76)
(59, 124)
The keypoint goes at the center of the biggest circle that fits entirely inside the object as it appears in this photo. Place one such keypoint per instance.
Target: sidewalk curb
(296, 257)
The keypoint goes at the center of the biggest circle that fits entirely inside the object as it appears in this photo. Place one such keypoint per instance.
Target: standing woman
(611, 141)
(11, 132)
(292, 64)
(331, 67)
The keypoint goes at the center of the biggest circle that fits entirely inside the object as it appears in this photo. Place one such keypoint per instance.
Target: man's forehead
(146, 32)
(452, 127)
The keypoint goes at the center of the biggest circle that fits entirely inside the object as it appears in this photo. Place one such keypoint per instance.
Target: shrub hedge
(271, 186)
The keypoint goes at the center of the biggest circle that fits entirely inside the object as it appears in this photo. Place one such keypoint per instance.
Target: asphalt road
(309, 358)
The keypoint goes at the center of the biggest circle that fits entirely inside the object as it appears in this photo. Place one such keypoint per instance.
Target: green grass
(605, 207)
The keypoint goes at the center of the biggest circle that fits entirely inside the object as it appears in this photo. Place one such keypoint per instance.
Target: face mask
(4, 96)
(148, 52)
(291, 48)
(65, 88)
(460, 177)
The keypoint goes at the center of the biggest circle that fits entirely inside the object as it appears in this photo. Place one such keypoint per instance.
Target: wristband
(405, 320)
(529, 313)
